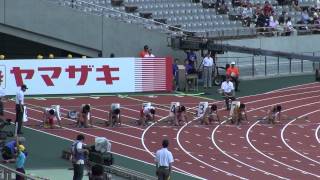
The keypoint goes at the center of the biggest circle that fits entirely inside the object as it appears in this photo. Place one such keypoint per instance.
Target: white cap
(233, 63)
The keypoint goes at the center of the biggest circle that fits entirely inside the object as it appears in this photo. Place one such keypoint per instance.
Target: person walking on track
(207, 71)
(20, 107)
(164, 160)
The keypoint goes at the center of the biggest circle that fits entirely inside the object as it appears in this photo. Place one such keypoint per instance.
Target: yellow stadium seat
(51, 56)
(39, 56)
(2, 57)
(69, 56)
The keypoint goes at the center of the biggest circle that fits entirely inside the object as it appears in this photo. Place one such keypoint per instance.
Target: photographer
(10, 149)
(79, 153)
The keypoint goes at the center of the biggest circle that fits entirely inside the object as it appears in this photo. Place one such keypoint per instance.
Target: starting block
(234, 104)
(173, 107)
(202, 109)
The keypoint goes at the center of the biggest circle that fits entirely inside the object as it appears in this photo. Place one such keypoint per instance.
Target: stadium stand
(206, 19)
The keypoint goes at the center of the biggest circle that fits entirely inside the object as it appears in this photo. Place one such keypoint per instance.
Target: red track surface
(253, 150)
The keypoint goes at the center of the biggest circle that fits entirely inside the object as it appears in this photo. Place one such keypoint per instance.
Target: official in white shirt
(228, 91)
(164, 160)
(19, 107)
(208, 65)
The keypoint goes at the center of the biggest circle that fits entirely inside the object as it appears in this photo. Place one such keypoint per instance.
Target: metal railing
(7, 173)
(266, 66)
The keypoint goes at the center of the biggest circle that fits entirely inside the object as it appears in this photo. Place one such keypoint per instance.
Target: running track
(254, 150)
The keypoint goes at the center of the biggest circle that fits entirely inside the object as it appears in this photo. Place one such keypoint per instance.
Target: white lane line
(317, 134)
(72, 140)
(207, 164)
(284, 140)
(284, 164)
(296, 87)
(98, 127)
(222, 151)
(153, 155)
(235, 159)
(81, 132)
(129, 117)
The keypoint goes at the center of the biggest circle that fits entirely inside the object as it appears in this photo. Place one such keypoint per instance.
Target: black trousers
(22, 171)
(236, 82)
(78, 171)
(163, 173)
(19, 117)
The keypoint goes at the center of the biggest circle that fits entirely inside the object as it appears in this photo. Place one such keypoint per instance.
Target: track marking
(40, 99)
(72, 140)
(98, 127)
(284, 164)
(69, 129)
(293, 88)
(284, 140)
(209, 165)
(317, 134)
(153, 155)
(244, 147)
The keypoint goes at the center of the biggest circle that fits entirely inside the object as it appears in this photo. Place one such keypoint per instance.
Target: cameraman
(79, 152)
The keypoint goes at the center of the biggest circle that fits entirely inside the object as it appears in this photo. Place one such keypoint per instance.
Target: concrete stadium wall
(48, 23)
(297, 44)
(2, 11)
(125, 39)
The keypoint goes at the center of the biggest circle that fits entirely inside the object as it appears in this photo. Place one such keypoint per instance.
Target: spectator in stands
(261, 21)
(79, 152)
(247, 15)
(282, 18)
(191, 57)
(267, 9)
(316, 21)
(236, 3)
(208, 65)
(305, 18)
(164, 160)
(144, 51)
(221, 7)
(149, 54)
(20, 161)
(273, 25)
(233, 72)
(295, 5)
(289, 27)
(175, 71)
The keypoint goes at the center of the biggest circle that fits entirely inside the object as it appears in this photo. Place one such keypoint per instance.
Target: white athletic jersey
(146, 110)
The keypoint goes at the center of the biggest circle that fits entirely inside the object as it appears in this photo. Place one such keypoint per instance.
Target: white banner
(94, 75)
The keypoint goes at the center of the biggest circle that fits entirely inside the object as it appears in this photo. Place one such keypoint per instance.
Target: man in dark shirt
(282, 17)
